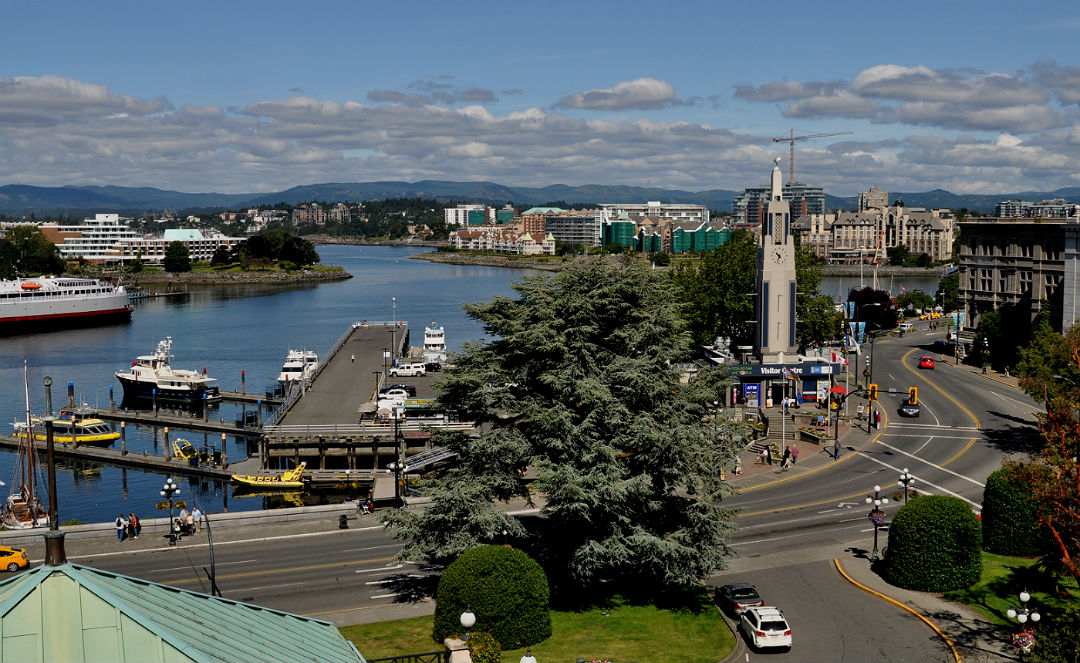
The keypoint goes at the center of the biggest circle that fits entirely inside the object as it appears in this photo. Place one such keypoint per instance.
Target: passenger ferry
(434, 344)
(50, 302)
(152, 376)
(71, 428)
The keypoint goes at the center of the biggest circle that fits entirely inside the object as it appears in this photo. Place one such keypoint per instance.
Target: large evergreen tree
(25, 251)
(577, 384)
(177, 258)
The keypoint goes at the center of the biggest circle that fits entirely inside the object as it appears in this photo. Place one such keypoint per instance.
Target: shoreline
(227, 278)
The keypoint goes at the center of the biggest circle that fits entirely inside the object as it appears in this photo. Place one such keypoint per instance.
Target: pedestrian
(877, 419)
(121, 525)
(794, 454)
(1006, 370)
(738, 465)
(190, 523)
(136, 524)
(768, 455)
(352, 358)
(763, 457)
(785, 461)
(196, 515)
(183, 515)
(836, 450)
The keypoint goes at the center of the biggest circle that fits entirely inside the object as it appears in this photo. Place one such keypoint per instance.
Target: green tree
(1047, 356)
(914, 300)
(220, 257)
(717, 293)
(898, 255)
(949, 290)
(819, 321)
(176, 258)
(578, 384)
(26, 251)
(1057, 639)
(935, 545)
(506, 590)
(1009, 515)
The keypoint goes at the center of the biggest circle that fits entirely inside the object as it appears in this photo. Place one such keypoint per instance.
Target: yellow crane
(791, 154)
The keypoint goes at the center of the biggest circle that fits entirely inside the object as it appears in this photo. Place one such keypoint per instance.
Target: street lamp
(1024, 640)
(986, 353)
(169, 491)
(877, 517)
(906, 480)
(393, 350)
(528, 657)
(468, 619)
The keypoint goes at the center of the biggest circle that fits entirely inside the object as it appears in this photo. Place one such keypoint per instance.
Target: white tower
(775, 339)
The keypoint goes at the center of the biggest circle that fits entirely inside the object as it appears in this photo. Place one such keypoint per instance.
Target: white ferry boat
(434, 344)
(152, 376)
(300, 365)
(50, 302)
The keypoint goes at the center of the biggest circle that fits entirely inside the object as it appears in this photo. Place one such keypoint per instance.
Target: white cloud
(641, 93)
(921, 84)
(839, 104)
(785, 90)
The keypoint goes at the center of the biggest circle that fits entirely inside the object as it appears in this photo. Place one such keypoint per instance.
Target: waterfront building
(749, 206)
(502, 240)
(467, 215)
(865, 237)
(1019, 262)
(1058, 208)
(568, 227)
(308, 213)
(105, 240)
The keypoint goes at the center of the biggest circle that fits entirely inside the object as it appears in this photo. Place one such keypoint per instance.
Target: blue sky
(241, 96)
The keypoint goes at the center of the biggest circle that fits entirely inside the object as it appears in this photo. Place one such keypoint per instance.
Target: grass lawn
(627, 633)
(1003, 578)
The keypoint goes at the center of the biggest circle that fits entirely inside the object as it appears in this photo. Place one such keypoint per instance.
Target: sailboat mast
(27, 466)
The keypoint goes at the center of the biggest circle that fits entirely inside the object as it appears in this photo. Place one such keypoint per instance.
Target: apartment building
(854, 237)
(502, 240)
(654, 209)
(748, 207)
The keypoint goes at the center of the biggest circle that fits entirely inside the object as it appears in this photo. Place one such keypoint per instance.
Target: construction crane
(791, 155)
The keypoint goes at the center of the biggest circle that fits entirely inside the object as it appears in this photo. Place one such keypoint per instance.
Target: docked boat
(293, 478)
(434, 344)
(71, 428)
(24, 507)
(152, 376)
(299, 366)
(49, 302)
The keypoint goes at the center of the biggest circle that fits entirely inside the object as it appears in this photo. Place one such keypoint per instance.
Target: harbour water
(227, 330)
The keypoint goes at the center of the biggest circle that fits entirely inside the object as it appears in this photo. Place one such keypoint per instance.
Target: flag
(839, 359)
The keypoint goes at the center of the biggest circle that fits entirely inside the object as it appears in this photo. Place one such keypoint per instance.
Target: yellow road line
(800, 474)
(932, 625)
(311, 567)
(803, 506)
(903, 360)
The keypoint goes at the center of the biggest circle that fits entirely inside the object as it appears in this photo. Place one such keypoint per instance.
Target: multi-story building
(574, 227)
(749, 206)
(338, 213)
(478, 215)
(104, 240)
(654, 209)
(875, 198)
(1058, 208)
(503, 240)
(308, 213)
(1021, 262)
(854, 237)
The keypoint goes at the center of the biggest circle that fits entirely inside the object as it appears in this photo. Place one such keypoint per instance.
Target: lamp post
(1024, 640)
(986, 353)
(393, 350)
(877, 517)
(528, 657)
(906, 480)
(468, 620)
(169, 491)
(48, 418)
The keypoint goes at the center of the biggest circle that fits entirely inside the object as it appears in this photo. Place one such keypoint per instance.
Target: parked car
(766, 627)
(908, 409)
(737, 597)
(394, 394)
(906, 326)
(409, 389)
(407, 370)
(432, 366)
(13, 558)
(926, 362)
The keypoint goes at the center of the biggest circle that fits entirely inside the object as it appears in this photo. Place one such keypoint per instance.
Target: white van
(906, 326)
(408, 370)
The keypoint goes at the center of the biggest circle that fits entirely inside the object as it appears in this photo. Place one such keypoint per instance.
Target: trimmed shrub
(1010, 526)
(506, 590)
(935, 545)
(1058, 639)
(484, 648)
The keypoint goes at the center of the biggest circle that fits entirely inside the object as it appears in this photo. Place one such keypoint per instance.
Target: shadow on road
(412, 587)
(1024, 438)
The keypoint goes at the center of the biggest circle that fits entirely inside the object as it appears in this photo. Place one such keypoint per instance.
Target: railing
(428, 457)
(426, 657)
(335, 430)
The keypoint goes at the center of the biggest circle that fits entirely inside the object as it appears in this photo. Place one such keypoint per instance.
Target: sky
(248, 97)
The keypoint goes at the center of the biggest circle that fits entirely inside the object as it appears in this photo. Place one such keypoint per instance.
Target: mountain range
(22, 200)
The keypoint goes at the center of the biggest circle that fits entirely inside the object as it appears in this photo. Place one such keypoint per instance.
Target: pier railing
(363, 429)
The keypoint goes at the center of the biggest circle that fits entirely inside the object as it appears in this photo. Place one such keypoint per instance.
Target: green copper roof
(78, 613)
(544, 210)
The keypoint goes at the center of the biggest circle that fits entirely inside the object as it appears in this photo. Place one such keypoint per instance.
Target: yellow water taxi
(293, 478)
(72, 429)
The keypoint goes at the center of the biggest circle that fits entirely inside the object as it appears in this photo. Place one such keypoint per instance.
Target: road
(790, 529)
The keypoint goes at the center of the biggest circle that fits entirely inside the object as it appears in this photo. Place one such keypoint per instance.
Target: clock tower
(775, 304)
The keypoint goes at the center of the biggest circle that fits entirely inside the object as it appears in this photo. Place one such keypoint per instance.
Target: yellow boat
(70, 429)
(293, 478)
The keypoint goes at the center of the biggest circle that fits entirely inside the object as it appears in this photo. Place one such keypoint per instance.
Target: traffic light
(873, 392)
(913, 395)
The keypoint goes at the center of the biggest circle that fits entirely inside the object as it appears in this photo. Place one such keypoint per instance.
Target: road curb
(932, 625)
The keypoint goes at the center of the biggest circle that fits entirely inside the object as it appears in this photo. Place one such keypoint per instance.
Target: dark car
(908, 409)
(409, 389)
(737, 597)
(432, 366)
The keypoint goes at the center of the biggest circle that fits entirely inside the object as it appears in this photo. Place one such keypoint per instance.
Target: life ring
(30, 285)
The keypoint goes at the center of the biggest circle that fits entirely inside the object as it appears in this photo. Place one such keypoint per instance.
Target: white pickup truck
(408, 370)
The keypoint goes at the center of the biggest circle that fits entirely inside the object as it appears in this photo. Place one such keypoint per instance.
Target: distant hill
(21, 200)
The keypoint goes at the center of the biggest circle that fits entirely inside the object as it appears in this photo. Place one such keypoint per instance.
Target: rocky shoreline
(230, 278)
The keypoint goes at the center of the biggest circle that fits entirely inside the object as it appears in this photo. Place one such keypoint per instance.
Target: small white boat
(299, 366)
(152, 376)
(434, 350)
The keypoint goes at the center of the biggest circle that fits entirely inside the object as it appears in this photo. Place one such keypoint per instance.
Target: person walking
(352, 358)
(738, 465)
(768, 455)
(121, 526)
(785, 461)
(794, 454)
(136, 525)
(836, 450)
(196, 515)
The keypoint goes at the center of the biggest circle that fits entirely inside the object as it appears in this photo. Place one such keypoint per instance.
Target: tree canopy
(280, 245)
(26, 251)
(577, 385)
(177, 258)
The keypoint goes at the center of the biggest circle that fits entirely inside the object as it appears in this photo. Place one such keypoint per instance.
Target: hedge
(506, 590)
(1008, 516)
(935, 545)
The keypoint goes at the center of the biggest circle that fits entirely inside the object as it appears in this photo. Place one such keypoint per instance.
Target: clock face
(778, 257)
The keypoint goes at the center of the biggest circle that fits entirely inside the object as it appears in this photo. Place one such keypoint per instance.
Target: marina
(241, 334)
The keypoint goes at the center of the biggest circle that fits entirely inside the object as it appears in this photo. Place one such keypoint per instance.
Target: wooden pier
(151, 418)
(142, 461)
